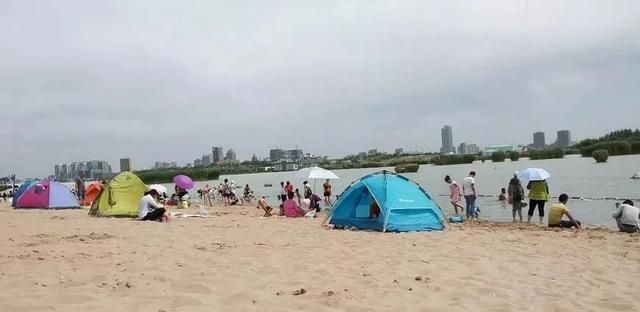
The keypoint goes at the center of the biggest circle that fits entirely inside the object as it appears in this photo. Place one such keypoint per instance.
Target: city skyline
(390, 74)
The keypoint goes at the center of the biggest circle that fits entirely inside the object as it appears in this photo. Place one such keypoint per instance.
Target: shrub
(613, 147)
(514, 156)
(407, 168)
(600, 155)
(498, 156)
(635, 147)
(453, 159)
(546, 154)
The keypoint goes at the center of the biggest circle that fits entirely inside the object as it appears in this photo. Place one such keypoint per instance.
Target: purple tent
(47, 195)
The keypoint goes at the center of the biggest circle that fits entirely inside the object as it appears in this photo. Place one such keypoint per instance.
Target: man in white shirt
(627, 217)
(149, 209)
(470, 195)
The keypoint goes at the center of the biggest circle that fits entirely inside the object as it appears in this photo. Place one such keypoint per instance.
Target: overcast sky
(166, 80)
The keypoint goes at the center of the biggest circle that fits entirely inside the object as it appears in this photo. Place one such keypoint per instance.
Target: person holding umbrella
(536, 181)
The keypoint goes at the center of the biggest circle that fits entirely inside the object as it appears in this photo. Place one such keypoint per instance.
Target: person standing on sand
(470, 195)
(560, 209)
(327, 192)
(80, 187)
(516, 195)
(627, 217)
(283, 192)
(454, 194)
(307, 189)
(538, 196)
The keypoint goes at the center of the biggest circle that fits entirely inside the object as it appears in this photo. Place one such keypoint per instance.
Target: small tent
(404, 205)
(47, 195)
(120, 197)
(23, 187)
(91, 193)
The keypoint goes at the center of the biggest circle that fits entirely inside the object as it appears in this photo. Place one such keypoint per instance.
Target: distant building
(277, 154)
(231, 155)
(372, 152)
(217, 154)
(165, 165)
(473, 149)
(254, 158)
(206, 159)
(92, 170)
(564, 138)
(538, 140)
(447, 140)
(399, 151)
(286, 166)
(197, 162)
(465, 149)
(498, 148)
(362, 155)
(125, 164)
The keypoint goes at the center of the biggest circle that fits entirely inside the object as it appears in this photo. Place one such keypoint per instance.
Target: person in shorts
(327, 192)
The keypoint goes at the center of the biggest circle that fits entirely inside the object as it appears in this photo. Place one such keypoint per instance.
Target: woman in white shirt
(150, 210)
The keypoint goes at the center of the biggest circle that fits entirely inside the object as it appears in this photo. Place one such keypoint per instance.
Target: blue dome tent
(404, 205)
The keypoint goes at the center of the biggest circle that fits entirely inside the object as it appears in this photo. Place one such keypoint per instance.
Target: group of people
(296, 204)
(226, 192)
(627, 216)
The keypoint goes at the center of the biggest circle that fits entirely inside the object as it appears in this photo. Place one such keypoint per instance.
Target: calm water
(573, 175)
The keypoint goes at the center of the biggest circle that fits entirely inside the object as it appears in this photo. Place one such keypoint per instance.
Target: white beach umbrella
(161, 189)
(316, 173)
(533, 174)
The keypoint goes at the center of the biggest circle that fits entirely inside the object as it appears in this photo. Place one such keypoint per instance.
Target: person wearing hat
(516, 195)
(149, 209)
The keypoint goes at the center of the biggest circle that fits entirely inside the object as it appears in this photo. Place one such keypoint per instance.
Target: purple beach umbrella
(183, 181)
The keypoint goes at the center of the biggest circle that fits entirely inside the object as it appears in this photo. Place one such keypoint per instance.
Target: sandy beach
(236, 261)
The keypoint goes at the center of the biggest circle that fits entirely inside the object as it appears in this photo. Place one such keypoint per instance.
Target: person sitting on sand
(149, 209)
(503, 195)
(291, 207)
(560, 209)
(627, 217)
(374, 210)
(262, 204)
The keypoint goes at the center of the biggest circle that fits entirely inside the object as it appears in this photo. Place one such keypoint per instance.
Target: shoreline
(236, 260)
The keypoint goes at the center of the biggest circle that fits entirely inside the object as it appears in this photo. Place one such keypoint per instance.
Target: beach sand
(236, 261)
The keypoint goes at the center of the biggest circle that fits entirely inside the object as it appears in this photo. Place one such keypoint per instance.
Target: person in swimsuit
(327, 192)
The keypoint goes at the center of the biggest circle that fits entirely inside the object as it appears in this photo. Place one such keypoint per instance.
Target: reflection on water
(574, 175)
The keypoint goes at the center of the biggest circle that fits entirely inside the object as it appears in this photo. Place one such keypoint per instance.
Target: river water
(574, 175)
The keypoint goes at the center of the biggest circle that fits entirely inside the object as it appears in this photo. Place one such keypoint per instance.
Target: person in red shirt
(289, 187)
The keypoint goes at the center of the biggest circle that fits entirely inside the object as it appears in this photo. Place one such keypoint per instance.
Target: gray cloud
(165, 80)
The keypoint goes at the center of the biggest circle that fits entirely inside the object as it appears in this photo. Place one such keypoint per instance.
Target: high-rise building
(447, 140)
(254, 158)
(463, 148)
(218, 154)
(231, 155)
(206, 160)
(538, 140)
(125, 164)
(197, 162)
(92, 170)
(399, 151)
(473, 149)
(295, 154)
(564, 138)
(276, 154)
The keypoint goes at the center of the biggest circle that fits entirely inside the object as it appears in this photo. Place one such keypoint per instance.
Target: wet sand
(236, 261)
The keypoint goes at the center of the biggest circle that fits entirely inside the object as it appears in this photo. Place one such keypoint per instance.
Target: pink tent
(47, 195)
